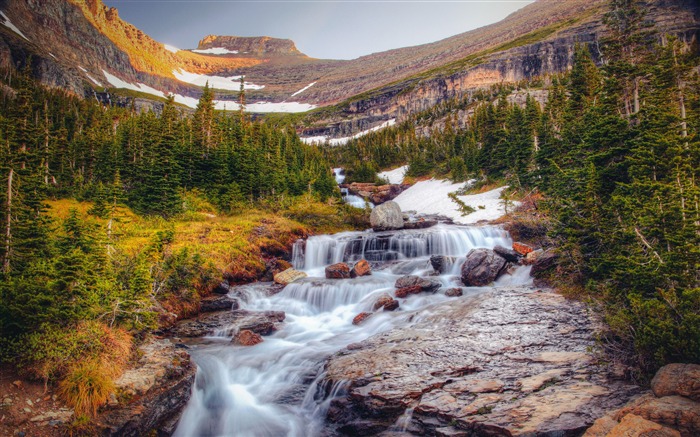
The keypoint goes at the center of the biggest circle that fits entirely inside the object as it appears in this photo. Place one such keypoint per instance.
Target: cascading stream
(271, 389)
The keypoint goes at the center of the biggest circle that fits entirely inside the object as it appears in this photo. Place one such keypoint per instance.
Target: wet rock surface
(361, 268)
(152, 393)
(263, 323)
(217, 303)
(338, 271)
(505, 362)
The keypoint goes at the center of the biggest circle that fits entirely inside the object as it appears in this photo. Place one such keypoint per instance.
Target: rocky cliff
(259, 46)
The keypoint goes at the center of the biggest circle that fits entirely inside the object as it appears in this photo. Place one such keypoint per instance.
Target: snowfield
(394, 176)
(216, 51)
(231, 83)
(322, 139)
(6, 21)
(218, 104)
(431, 197)
(170, 48)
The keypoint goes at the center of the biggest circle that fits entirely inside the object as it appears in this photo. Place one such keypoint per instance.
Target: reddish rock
(386, 302)
(453, 292)
(338, 271)
(361, 268)
(634, 426)
(522, 248)
(248, 338)
(360, 318)
(677, 379)
(405, 291)
(677, 412)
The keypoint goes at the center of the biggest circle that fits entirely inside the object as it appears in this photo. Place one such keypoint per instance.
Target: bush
(87, 387)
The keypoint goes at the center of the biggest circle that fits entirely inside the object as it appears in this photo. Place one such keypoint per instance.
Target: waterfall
(274, 388)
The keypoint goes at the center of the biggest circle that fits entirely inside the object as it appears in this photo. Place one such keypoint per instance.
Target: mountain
(84, 46)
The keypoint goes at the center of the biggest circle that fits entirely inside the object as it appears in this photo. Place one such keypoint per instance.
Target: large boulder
(338, 271)
(361, 268)
(288, 276)
(482, 267)
(386, 216)
(677, 379)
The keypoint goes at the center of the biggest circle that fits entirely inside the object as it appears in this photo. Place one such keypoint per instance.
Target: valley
(497, 233)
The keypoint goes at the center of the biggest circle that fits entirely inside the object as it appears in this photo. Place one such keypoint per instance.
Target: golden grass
(87, 387)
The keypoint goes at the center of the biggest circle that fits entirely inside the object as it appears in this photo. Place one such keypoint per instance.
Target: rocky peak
(258, 45)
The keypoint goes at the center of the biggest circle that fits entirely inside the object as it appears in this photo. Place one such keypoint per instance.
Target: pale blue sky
(320, 28)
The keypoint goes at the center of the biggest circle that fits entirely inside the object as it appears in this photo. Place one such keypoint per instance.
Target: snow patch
(170, 48)
(431, 197)
(394, 176)
(218, 104)
(216, 51)
(304, 89)
(93, 80)
(8, 23)
(231, 83)
(344, 140)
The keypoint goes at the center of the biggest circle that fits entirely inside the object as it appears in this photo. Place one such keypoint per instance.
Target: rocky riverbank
(508, 362)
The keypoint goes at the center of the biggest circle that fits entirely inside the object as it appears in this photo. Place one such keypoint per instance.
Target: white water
(272, 389)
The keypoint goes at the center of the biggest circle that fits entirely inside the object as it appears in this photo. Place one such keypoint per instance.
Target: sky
(328, 29)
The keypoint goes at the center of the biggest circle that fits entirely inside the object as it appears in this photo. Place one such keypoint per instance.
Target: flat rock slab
(508, 362)
(262, 323)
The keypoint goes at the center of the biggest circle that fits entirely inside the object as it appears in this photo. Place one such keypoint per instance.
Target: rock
(247, 338)
(531, 257)
(288, 276)
(154, 392)
(482, 267)
(442, 263)
(406, 285)
(361, 268)
(457, 369)
(601, 427)
(677, 379)
(17, 384)
(544, 262)
(338, 271)
(508, 254)
(217, 303)
(260, 322)
(360, 318)
(522, 248)
(386, 216)
(386, 302)
(63, 416)
(678, 412)
(634, 426)
(222, 288)
(453, 292)
(419, 224)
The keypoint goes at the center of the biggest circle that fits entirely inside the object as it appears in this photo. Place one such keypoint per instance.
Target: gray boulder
(386, 216)
(482, 267)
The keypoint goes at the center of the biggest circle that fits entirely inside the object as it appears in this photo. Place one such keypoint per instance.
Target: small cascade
(399, 245)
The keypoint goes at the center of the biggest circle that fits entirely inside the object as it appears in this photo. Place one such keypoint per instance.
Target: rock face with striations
(484, 365)
(482, 267)
(386, 216)
(256, 45)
